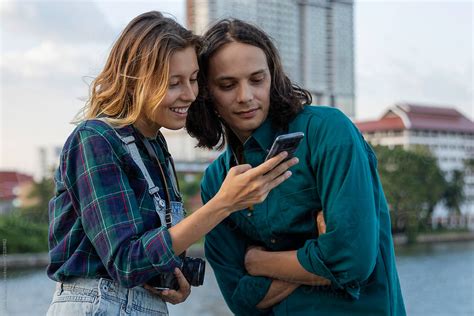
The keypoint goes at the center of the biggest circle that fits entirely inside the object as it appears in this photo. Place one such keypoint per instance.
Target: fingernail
(296, 160)
(288, 174)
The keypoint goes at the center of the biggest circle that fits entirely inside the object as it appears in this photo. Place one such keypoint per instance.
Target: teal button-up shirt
(338, 174)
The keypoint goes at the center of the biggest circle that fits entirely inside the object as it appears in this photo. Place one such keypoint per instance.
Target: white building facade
(186, 155)
(446, 132)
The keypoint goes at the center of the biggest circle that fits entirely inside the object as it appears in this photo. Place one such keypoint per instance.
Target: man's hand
(254, 253)
(320, 223)
(172, 296)
(252, 257)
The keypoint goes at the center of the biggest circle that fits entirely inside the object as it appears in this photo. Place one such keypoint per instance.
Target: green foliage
(22, 234)
(469, 165)
(189, 185)
(454, 192)
(26, 229)
(42, 191)
(413, 184)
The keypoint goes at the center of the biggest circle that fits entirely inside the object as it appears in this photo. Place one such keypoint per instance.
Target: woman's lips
(180, 111)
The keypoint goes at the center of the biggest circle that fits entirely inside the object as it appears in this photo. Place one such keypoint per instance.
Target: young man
(269, 259)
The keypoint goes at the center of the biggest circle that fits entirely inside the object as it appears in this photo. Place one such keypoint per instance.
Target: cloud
(52, 39)
(71, 22)
(51, 58)
(429, 62)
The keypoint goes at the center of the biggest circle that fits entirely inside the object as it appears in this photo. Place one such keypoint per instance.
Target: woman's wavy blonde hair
(136, 73)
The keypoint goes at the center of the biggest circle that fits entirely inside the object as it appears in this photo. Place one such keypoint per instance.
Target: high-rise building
(315, 39)
(316, 42)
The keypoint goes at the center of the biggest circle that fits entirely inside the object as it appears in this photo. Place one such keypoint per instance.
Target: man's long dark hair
(286, 98)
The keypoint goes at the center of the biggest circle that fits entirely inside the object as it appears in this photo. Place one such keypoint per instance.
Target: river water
(437, 280)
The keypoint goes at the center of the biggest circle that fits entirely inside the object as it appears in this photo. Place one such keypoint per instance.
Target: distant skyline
(413, 51)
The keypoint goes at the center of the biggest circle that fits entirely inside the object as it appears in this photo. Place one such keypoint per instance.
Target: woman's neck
(147, 128)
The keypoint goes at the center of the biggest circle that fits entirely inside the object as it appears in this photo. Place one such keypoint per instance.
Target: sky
(405, 51)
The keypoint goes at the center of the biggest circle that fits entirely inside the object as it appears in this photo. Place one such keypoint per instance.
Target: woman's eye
(174, 84)
(257, 80)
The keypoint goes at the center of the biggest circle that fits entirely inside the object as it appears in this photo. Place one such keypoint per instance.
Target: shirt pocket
(294, 213)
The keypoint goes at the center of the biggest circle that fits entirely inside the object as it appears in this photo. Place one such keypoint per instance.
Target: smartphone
(286, 142)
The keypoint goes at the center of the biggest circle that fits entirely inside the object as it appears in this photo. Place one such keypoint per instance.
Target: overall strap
(131, 146)
(129, 142)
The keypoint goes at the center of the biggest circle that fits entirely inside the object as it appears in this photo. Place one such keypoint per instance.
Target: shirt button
(273, 240)
(249, 214)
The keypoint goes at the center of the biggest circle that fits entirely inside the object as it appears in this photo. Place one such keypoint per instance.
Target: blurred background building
(15, 189)
(316, 42)
(48, 160)
(446, 132)
(315, 39)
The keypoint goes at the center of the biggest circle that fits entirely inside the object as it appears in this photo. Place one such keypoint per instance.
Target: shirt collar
(263, 136)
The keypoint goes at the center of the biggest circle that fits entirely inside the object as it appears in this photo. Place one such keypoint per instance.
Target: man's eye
(226, 86)
(257, 80)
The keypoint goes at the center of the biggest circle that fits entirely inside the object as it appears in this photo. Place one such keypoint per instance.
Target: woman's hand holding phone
(245, 186)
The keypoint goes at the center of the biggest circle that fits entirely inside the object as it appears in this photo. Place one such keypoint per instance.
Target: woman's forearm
(242, 187)
(278, 291)
(196, 225)
(282, 265)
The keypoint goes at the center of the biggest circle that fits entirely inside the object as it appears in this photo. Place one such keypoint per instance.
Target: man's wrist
(255, 261)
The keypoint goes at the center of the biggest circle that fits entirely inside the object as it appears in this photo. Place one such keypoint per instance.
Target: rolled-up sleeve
(110, 214)
(347, 253)
(225, 249)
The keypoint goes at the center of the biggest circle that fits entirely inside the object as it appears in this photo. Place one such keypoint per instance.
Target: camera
(193, 270)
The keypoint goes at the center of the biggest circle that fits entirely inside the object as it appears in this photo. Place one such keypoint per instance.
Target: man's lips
(247, 113)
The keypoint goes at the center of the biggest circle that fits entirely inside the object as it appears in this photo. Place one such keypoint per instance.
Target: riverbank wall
(37, 260)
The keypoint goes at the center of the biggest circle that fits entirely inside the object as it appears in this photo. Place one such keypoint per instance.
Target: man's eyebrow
(260, 71)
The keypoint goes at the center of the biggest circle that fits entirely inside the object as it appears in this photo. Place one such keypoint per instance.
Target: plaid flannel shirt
(102, 220)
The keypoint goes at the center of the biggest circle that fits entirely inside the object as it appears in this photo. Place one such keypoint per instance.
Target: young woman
(269, 259)
(115, 221)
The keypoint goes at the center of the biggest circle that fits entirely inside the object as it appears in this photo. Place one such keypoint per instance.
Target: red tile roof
(384, 124)
(9, 180)
(418, 117)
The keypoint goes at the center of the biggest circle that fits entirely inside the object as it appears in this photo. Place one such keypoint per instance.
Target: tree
(190, 187)
(413, 184)
(42, 192)
(469, 165)
(454, 192)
